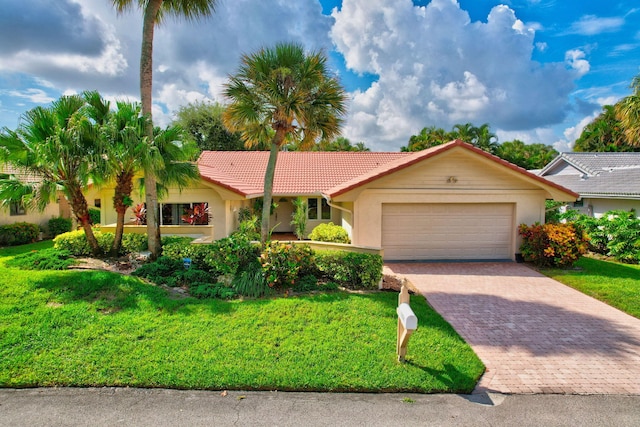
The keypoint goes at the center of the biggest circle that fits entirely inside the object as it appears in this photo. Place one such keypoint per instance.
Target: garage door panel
(447, 231)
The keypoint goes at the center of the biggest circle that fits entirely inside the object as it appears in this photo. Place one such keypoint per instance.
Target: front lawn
(616, 284)
(94, 328)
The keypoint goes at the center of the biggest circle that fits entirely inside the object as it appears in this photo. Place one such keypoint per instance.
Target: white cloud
(575, 59)
(437, 67)
(36, 96)
(590, 25)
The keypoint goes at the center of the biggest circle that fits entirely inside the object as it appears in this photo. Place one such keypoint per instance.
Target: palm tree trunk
(124, 187)
(81, 212)
(146, 86)
(268, 190)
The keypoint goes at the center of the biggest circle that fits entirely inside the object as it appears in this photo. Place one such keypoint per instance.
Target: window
(326, 209)
(184, 213)
(578, 203)
(17, 208)
(319, 209)
(313, 208)
(97, 203)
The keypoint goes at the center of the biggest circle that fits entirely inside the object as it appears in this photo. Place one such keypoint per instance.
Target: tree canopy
(203, 124)
(283, 95)
(528, 156)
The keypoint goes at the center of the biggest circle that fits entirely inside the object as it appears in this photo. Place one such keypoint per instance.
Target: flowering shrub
(552, 245)
(616, 234)
(281, 263)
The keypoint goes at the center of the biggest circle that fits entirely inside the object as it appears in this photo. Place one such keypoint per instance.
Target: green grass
(72, 328)
(615, 284)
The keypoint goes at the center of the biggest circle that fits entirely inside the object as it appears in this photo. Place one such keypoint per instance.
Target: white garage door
(447, 231)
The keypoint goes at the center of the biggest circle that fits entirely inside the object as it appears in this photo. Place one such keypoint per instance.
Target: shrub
(134, 242)
(249, 228)
(330, 233)
(94, 215)
(231, 254)
(552, 245)
(616, 234)
(19, 233)
(299, 219)
(251, 282)
(282, 262)
(76, 243)
(46, 259)
(163, 271)
(59, 225)
(212, 290)
(350, 269)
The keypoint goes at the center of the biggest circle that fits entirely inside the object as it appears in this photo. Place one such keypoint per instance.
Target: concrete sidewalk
(159, 407)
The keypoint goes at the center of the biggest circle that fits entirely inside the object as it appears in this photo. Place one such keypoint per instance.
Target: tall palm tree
(57, 145)
(628, 112)
(154, 11)
(281, 94)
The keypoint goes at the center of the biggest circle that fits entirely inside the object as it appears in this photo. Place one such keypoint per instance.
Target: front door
(280, 221)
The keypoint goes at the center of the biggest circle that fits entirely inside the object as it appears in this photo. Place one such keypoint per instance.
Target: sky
(534, 70)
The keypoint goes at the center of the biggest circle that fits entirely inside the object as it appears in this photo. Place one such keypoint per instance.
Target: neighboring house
(452, 201)
(16, 212)
(604, 181)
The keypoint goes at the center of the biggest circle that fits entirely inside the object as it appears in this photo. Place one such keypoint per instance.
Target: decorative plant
(299, 217)
(197, 215)
(140, 213)
(330, 233)
(552, 245)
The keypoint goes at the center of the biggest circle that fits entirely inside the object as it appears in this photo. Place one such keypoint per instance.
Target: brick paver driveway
(534, 335)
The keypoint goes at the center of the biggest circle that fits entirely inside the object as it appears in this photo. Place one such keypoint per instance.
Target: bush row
(615, 234)
(235, 266)
(19, 233)
(76, 243)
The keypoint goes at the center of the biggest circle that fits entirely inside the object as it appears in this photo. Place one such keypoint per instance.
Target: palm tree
(282, 94)
(628, 112)
(57, 145)
(485, 139)
(466, 132)
(154, 11)
(126, 152)
(428, 137)
(124, 148)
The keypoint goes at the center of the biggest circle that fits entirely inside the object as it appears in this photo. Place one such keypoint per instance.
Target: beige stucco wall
(220, 211)
(33, 217)
(457, 176)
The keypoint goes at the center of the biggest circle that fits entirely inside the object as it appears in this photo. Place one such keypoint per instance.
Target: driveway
(534, 335)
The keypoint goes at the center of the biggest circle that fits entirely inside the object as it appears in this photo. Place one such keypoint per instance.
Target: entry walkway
(534, 335)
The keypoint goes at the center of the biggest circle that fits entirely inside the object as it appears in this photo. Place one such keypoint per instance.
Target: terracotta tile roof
(330, 173)
(296, 172)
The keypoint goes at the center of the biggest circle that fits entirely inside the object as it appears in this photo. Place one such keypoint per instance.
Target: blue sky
(536, 70)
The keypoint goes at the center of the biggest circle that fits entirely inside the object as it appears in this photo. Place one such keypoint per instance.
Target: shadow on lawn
(453, 380)
(111, 293)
